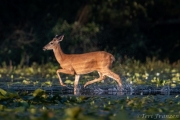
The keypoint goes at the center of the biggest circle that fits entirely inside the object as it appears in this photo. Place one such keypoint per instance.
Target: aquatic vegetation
(39, 105)
(28, 93)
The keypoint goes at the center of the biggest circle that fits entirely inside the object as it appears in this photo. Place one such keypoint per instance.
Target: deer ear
(60, 38)
(56, 36)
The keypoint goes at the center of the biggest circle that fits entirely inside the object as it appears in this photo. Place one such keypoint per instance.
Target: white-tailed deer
(78, 64)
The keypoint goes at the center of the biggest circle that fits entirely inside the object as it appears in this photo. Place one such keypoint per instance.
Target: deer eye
(51, 43)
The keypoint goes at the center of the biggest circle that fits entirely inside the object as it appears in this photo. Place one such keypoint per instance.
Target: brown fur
(78, 64)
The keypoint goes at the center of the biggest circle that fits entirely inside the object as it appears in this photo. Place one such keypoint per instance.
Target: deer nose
(44, 48)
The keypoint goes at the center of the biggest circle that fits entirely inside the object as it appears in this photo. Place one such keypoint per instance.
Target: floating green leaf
(3, 92)
(38, 92)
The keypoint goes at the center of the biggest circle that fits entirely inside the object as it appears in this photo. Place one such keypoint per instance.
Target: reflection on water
(96, 90)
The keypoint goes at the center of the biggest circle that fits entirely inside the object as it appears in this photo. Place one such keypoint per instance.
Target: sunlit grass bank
(152, 72)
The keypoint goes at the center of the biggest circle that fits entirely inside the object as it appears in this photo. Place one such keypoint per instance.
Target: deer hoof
(63, 85)
(86, 84)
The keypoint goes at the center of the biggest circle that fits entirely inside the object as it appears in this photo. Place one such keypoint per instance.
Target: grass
(39, 104)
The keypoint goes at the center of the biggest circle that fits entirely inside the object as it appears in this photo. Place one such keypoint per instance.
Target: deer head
(53, 44)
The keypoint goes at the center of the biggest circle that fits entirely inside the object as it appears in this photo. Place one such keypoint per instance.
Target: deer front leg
(76, 89)
(65, 71)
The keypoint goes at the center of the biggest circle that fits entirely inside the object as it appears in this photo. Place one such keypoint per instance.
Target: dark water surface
(20, 85)
(95, 90)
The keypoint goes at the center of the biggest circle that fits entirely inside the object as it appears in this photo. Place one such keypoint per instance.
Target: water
(94, 89)
(107, 88)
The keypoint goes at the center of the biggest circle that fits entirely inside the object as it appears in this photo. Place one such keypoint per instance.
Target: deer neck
(58, 53)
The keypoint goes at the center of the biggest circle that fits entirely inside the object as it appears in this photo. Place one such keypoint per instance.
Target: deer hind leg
(65, 71)
(101, 77)
(114, 76)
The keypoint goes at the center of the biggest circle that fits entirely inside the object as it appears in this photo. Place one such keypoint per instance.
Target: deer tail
(112, 59)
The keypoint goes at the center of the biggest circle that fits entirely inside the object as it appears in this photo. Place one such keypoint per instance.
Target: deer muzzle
(44, 48)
